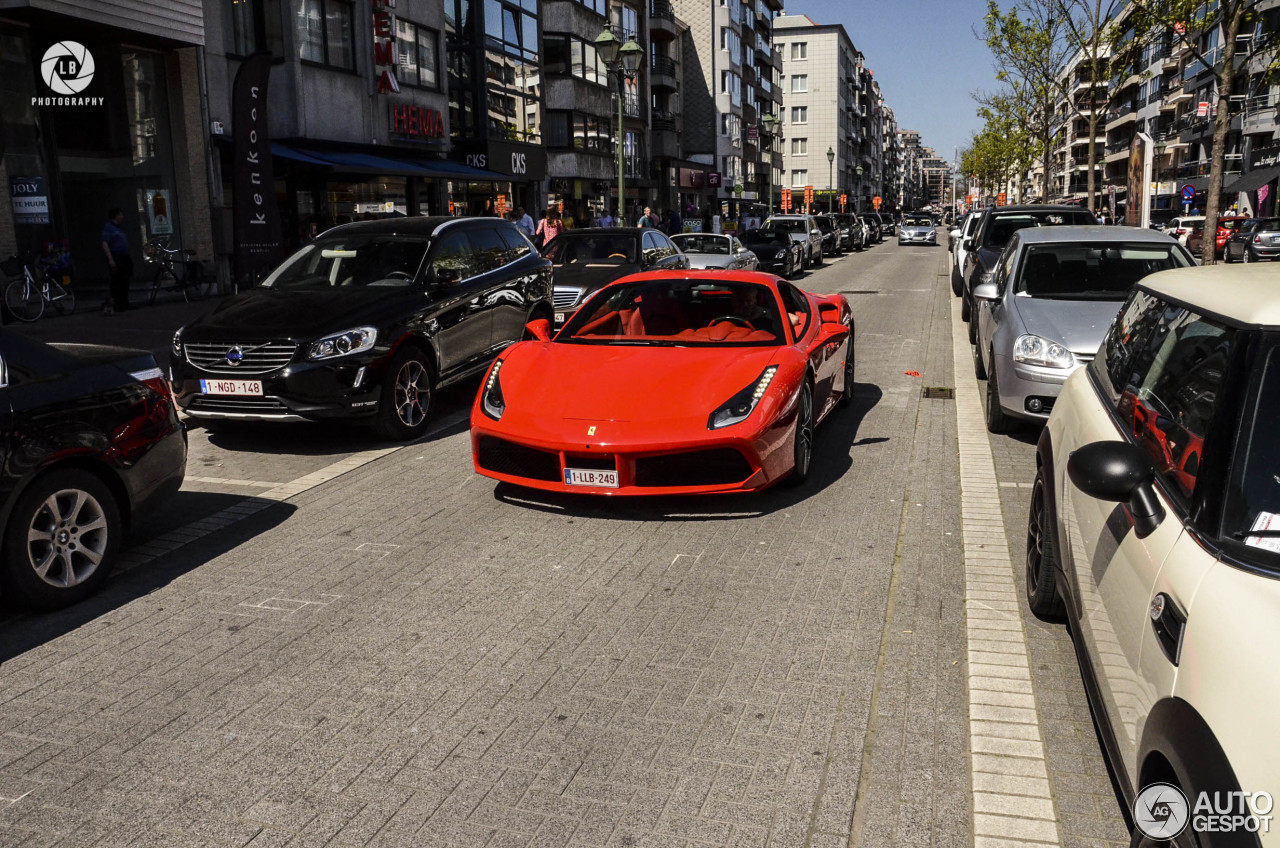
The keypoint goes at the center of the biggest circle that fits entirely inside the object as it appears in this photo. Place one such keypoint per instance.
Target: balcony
(662, 20)
(664, 72)
(1259, 113)
(664, 141)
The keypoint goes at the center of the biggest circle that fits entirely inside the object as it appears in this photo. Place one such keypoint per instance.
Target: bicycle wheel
(62, 298)
(192, 287)
(163, 276)
(24, 300)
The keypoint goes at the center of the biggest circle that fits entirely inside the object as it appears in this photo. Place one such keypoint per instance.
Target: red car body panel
(586, 404)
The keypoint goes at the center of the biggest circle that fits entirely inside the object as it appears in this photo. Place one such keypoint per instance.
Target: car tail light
(1257, 239)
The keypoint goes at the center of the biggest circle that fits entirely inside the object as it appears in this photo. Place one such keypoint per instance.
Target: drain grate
(939, 392)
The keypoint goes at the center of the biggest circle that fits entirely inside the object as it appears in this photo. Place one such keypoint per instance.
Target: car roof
(420, 225)
(1093, 233)
(1242, 294)
(610, 231)
(1038, 207)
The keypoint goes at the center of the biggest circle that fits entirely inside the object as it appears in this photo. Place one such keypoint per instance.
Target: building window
(325, 33)
(570, 55)
(416, 55)
(731, 84)
(799, 114)
(799, 83)
(799, 147)
(629, 22)
(511, 30)
(799, 50)
(800, 178)
(580, 132)
(731, 41)
(731, 128)
(600, 7)
(244, 26)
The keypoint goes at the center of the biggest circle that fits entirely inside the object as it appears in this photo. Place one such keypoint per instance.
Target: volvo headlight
(739, 407)
(491, 401)
(343, 344)
(1035, 350)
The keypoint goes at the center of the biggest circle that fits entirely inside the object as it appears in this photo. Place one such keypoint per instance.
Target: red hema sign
(384, 45)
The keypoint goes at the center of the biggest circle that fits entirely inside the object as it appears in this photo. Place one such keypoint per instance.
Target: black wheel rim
(1035, 537)
(804, 432)
(848, 368)
(412, 394)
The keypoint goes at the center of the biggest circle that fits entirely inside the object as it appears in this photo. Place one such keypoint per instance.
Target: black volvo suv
(365, 322)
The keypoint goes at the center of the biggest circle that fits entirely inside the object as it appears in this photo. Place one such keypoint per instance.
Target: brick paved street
(406, 654)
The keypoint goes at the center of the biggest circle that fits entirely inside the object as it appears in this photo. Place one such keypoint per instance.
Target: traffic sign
(876, 201)
(1000, 199)
(1188, 192)
(844, 198)
(808, 195)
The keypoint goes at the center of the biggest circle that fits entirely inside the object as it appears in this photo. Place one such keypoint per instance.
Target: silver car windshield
(353, 261)
(1091, 272)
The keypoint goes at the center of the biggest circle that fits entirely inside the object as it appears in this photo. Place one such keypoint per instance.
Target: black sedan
(366, 322)
(874, 228)
(91, 441)
(776, 251)
(589, 259)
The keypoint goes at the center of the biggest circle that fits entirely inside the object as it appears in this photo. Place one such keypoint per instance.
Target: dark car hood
(591, 276)
(264, 313)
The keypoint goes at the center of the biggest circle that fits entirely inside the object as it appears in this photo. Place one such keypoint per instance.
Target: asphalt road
(325, 640)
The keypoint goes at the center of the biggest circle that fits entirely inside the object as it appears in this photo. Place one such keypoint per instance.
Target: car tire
(979, 370)
(408, 389)
(1042, 556)
(973, 329)
(1247, 258)
(850, 373)
(965, 312)
(957, 282)
(998, 421)
(802, 443)
(75, 521)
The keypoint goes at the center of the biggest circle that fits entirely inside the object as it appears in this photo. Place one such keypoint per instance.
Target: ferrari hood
(573, 382)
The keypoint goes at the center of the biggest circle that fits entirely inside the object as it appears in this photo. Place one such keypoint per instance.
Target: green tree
(1192, 23)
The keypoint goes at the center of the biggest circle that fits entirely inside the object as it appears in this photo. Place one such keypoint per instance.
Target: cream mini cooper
(1155, 531)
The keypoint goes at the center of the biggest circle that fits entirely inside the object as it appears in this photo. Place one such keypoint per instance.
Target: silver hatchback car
(1054, 293)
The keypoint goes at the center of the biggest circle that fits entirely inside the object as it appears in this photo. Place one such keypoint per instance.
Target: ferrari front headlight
(492, 403)
(739, 407)
(1036, 350)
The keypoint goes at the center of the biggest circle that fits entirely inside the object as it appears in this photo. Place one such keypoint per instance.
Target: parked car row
(1155, 508)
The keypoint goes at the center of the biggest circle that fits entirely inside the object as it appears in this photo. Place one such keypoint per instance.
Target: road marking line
(167, 543)
(229, 481)
(1011, 798)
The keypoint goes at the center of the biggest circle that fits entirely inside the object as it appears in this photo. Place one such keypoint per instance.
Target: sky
(925, 57)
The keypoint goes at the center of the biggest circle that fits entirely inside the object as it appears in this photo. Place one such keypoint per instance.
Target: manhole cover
(939, 392)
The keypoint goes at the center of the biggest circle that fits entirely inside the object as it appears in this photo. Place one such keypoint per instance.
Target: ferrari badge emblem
(591, 431)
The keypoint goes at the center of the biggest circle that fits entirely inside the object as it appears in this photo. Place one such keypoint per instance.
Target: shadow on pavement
(21, 631)
(836, 436)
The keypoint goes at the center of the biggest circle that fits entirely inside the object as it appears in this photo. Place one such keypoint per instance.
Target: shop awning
(1253, 180)
(352, 161)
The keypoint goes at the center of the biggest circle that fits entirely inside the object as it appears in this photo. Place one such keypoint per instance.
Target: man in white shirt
(524, 222)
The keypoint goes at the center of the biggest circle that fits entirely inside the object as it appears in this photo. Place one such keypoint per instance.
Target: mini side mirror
(955, 234)
(1122, 473)
(986, 291)
(540, 329)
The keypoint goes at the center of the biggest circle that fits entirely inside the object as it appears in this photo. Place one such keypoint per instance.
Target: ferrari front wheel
(846, 397)
(802, 450)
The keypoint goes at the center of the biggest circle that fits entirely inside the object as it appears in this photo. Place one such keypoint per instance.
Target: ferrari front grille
(503, 457)
(716, 467)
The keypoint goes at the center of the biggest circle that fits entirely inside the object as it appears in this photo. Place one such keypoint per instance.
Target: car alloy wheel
(406, 397)
(979, 370)
(61, 539)
(1248, 256)
(1042, 556)
(802, 454)
(997, 420)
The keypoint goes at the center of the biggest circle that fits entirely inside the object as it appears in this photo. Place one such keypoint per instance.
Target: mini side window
(1131, 327)
(1169, 400)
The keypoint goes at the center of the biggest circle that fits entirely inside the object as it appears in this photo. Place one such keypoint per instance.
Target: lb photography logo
(67, 69)
(1162, 811)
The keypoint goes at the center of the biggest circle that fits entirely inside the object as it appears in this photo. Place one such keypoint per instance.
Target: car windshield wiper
(1262, 534)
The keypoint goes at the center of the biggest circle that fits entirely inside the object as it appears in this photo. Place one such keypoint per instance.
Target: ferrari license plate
(231, 387)
(587, 477)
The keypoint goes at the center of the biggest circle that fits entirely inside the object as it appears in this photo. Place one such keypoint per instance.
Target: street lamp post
(623, 61)
(858, 171)
(831, 159)
(771, 123)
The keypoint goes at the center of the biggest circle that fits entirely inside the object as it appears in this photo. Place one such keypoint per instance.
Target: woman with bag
(548, 228)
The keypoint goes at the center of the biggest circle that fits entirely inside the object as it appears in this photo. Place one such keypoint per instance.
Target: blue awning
(371, 164)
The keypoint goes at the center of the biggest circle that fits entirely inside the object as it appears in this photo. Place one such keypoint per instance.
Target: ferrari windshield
(592, 248)
(370, 259)
(1082, 271)
(678, 313)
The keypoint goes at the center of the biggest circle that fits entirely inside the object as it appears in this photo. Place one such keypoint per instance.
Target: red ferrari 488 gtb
(668, 382)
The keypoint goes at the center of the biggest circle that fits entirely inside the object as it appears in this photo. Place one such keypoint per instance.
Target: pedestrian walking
(675, 224)
(648, 219)
(605, 219)
(549, 227)
(115, 244)
(524, 222)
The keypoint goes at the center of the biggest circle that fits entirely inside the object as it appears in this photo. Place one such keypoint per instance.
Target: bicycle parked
(186, 275)
(27, 296)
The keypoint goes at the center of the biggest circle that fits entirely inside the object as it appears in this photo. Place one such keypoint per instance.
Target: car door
(1157, 380)
(500, 283)
(457, 319)
(989, 313)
